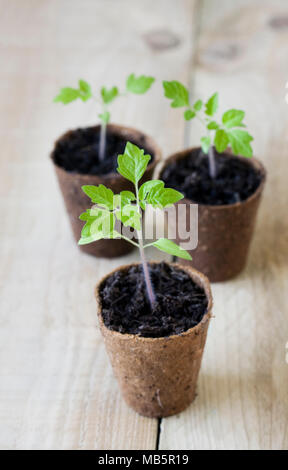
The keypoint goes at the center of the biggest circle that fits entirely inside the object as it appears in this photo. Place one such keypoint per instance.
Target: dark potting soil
(180, 302)
(235, 181)
(79, 151)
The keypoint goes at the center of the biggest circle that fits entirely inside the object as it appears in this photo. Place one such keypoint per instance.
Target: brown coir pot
(76, 201)
(225, 231)
(158, 376)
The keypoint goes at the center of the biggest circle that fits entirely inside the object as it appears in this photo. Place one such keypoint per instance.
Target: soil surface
(79, 151)
(235, 181)
(181, 303)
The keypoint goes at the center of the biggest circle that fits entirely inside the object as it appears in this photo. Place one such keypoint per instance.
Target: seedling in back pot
(227, 186)
(137, 85)
(127, 207)
(220, 134)
(88, 155)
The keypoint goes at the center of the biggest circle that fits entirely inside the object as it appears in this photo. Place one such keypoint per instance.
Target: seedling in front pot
(219, 133)
(137, 85)
(128, 208)
(154, 331)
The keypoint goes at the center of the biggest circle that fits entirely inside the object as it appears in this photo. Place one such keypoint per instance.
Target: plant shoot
(220, 134)
(127, 207)
(137, 85)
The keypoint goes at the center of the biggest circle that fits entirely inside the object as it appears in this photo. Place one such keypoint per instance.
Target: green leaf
(67, 95)
(98, 226)
(163, 244)
(163, 197)
(189, 114)
(212, 105)
(109, 95)
(198, 105)
(139, 85)
(84, 240)
(233, 118)
(221, 140)
(154, 193)
(177, 92)
(100, 195)
(127, 197)
(129, 216)
(84, 90)
(133, 163)
(212, 125)
(205, 144)
(87, 216)
(104, 222)
(105, 117)
(240, 142)
(149, 186)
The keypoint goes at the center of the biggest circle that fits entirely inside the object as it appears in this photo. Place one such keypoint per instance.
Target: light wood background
(57, 390)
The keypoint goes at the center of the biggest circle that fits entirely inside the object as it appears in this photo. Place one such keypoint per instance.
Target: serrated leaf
(109, 95)
(149, 186)
(205, 143)
(104, 222)
(128, 195)
(125, 197)
(133, 163)
(100, 195)
(84, 240)
(189, 114)
(198, 105)
(84, 90)
(233, 118)
(240, 142)
(99, 226)
(212, 125)
(163, 244)
(163, 197)
(177, 92)
(212, 105)
(87, 216)
(105, 117)
(139, 85)
(67, 95)
(154, 193)
(129, 216)
(221, 140)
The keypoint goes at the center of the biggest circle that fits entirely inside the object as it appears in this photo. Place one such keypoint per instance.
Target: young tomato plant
(137, 85)
(127, 207)
(220, 134)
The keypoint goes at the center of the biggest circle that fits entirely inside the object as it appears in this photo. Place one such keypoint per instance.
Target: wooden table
(57, 389)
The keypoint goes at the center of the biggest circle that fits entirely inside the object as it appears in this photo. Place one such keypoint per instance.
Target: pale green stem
(211, 153)
(212, 162)
(102, 146)
(149, 287)
(128, 240)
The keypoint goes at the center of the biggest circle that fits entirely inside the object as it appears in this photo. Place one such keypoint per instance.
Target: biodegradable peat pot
(71, 181)
(157, 376)
(224, 231)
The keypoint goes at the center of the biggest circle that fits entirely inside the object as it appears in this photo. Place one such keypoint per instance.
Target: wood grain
(56, 386)
(243, 399)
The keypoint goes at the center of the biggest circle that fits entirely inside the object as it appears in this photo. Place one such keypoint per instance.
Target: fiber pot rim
(196, 276)
(117, 129)
(253, 161)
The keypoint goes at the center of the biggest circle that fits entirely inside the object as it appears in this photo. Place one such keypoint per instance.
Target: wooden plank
(56, 386)
(243, 400)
